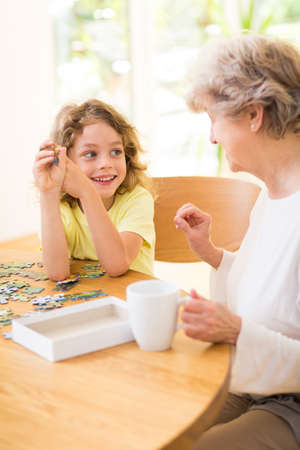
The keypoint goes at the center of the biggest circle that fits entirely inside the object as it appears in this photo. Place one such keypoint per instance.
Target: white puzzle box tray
(75, 330)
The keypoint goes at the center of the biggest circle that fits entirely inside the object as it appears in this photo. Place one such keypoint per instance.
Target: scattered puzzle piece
(37, 276)
(56, 301)
(7, 335)
(67, 284)
(20, 298)
(17, 265)
(6, 316)
(91, 275)
(7, 272)
(91, 266)
(31, 290)
(18, 290)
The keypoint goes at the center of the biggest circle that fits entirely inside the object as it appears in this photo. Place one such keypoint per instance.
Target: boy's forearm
(109, 246)
(54, 244)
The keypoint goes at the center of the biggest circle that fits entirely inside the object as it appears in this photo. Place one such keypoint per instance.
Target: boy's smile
(99, 153)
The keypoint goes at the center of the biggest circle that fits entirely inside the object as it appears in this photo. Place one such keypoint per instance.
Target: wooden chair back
(228, 201)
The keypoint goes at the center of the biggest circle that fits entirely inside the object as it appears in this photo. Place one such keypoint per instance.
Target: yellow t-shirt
(132, 211)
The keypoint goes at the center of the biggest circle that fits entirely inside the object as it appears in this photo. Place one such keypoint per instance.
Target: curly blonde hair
(70, 122)
(242, 71)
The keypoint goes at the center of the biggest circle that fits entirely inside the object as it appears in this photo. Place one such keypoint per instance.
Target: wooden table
(116, 398)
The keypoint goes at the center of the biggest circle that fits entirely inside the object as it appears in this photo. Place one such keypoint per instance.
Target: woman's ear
(256, 115)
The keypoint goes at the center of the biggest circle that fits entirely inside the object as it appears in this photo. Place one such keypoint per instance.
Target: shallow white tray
(75, 330)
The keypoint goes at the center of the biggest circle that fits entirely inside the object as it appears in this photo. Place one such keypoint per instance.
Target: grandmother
(250, 88)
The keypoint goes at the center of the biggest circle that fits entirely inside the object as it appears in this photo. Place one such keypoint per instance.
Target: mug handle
(181, 300)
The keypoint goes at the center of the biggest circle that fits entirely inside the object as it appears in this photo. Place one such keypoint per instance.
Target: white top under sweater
(261, 283)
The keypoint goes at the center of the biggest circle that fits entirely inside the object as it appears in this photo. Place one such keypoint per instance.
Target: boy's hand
(75, 183)
(48, 175)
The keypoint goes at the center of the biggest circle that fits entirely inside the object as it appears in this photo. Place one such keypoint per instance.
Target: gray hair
(246, 70)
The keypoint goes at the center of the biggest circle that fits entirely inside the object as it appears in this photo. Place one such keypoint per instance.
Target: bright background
(135, 54)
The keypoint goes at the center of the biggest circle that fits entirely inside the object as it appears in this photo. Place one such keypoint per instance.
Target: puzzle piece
(91, 266)
(67, 284)
(57, 301)
(91, 275)
(7, 335)
(20, 298)
(86, 295)
(37, 276)
(31, 290)
(7, 272)
(17, 265)
(56, 150)
(6, 316)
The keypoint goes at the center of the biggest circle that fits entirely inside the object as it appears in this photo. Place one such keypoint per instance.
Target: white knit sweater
(261, 283)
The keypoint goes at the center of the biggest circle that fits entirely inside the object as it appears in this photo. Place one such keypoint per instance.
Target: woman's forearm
(211, 255)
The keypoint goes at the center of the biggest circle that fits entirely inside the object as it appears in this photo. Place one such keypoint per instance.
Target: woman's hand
(196, 225)
(210, 321)
(48, 176)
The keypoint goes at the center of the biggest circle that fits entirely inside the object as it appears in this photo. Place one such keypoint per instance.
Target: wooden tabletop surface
(116, 398)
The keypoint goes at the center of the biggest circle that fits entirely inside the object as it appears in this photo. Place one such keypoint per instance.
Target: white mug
(153, 310)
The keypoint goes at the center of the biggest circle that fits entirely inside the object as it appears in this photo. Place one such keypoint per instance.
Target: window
(137, 56)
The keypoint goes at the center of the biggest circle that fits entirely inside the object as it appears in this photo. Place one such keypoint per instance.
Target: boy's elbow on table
(117, 270)
(58, 276)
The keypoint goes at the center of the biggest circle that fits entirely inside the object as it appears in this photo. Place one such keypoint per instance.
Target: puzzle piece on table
(6, 316)
(57, 301)
(48, 306)
(91, 275)
(17, 265)
(92, 271)
(7, 272)
(7, 335)
(20, 298)
(21, 269)
(8, 291)
(19, 284)
(31, 290)
(86, 295)
(43, 300)
(91, 267)
(12, 285)
(33, 275)
(67, 284)
(48, 302)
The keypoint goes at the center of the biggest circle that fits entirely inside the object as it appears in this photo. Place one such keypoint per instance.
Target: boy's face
(100, 154)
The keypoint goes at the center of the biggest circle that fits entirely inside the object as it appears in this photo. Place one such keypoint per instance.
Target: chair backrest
(228, 201)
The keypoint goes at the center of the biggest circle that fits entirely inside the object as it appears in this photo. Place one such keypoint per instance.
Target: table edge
(192, 433)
